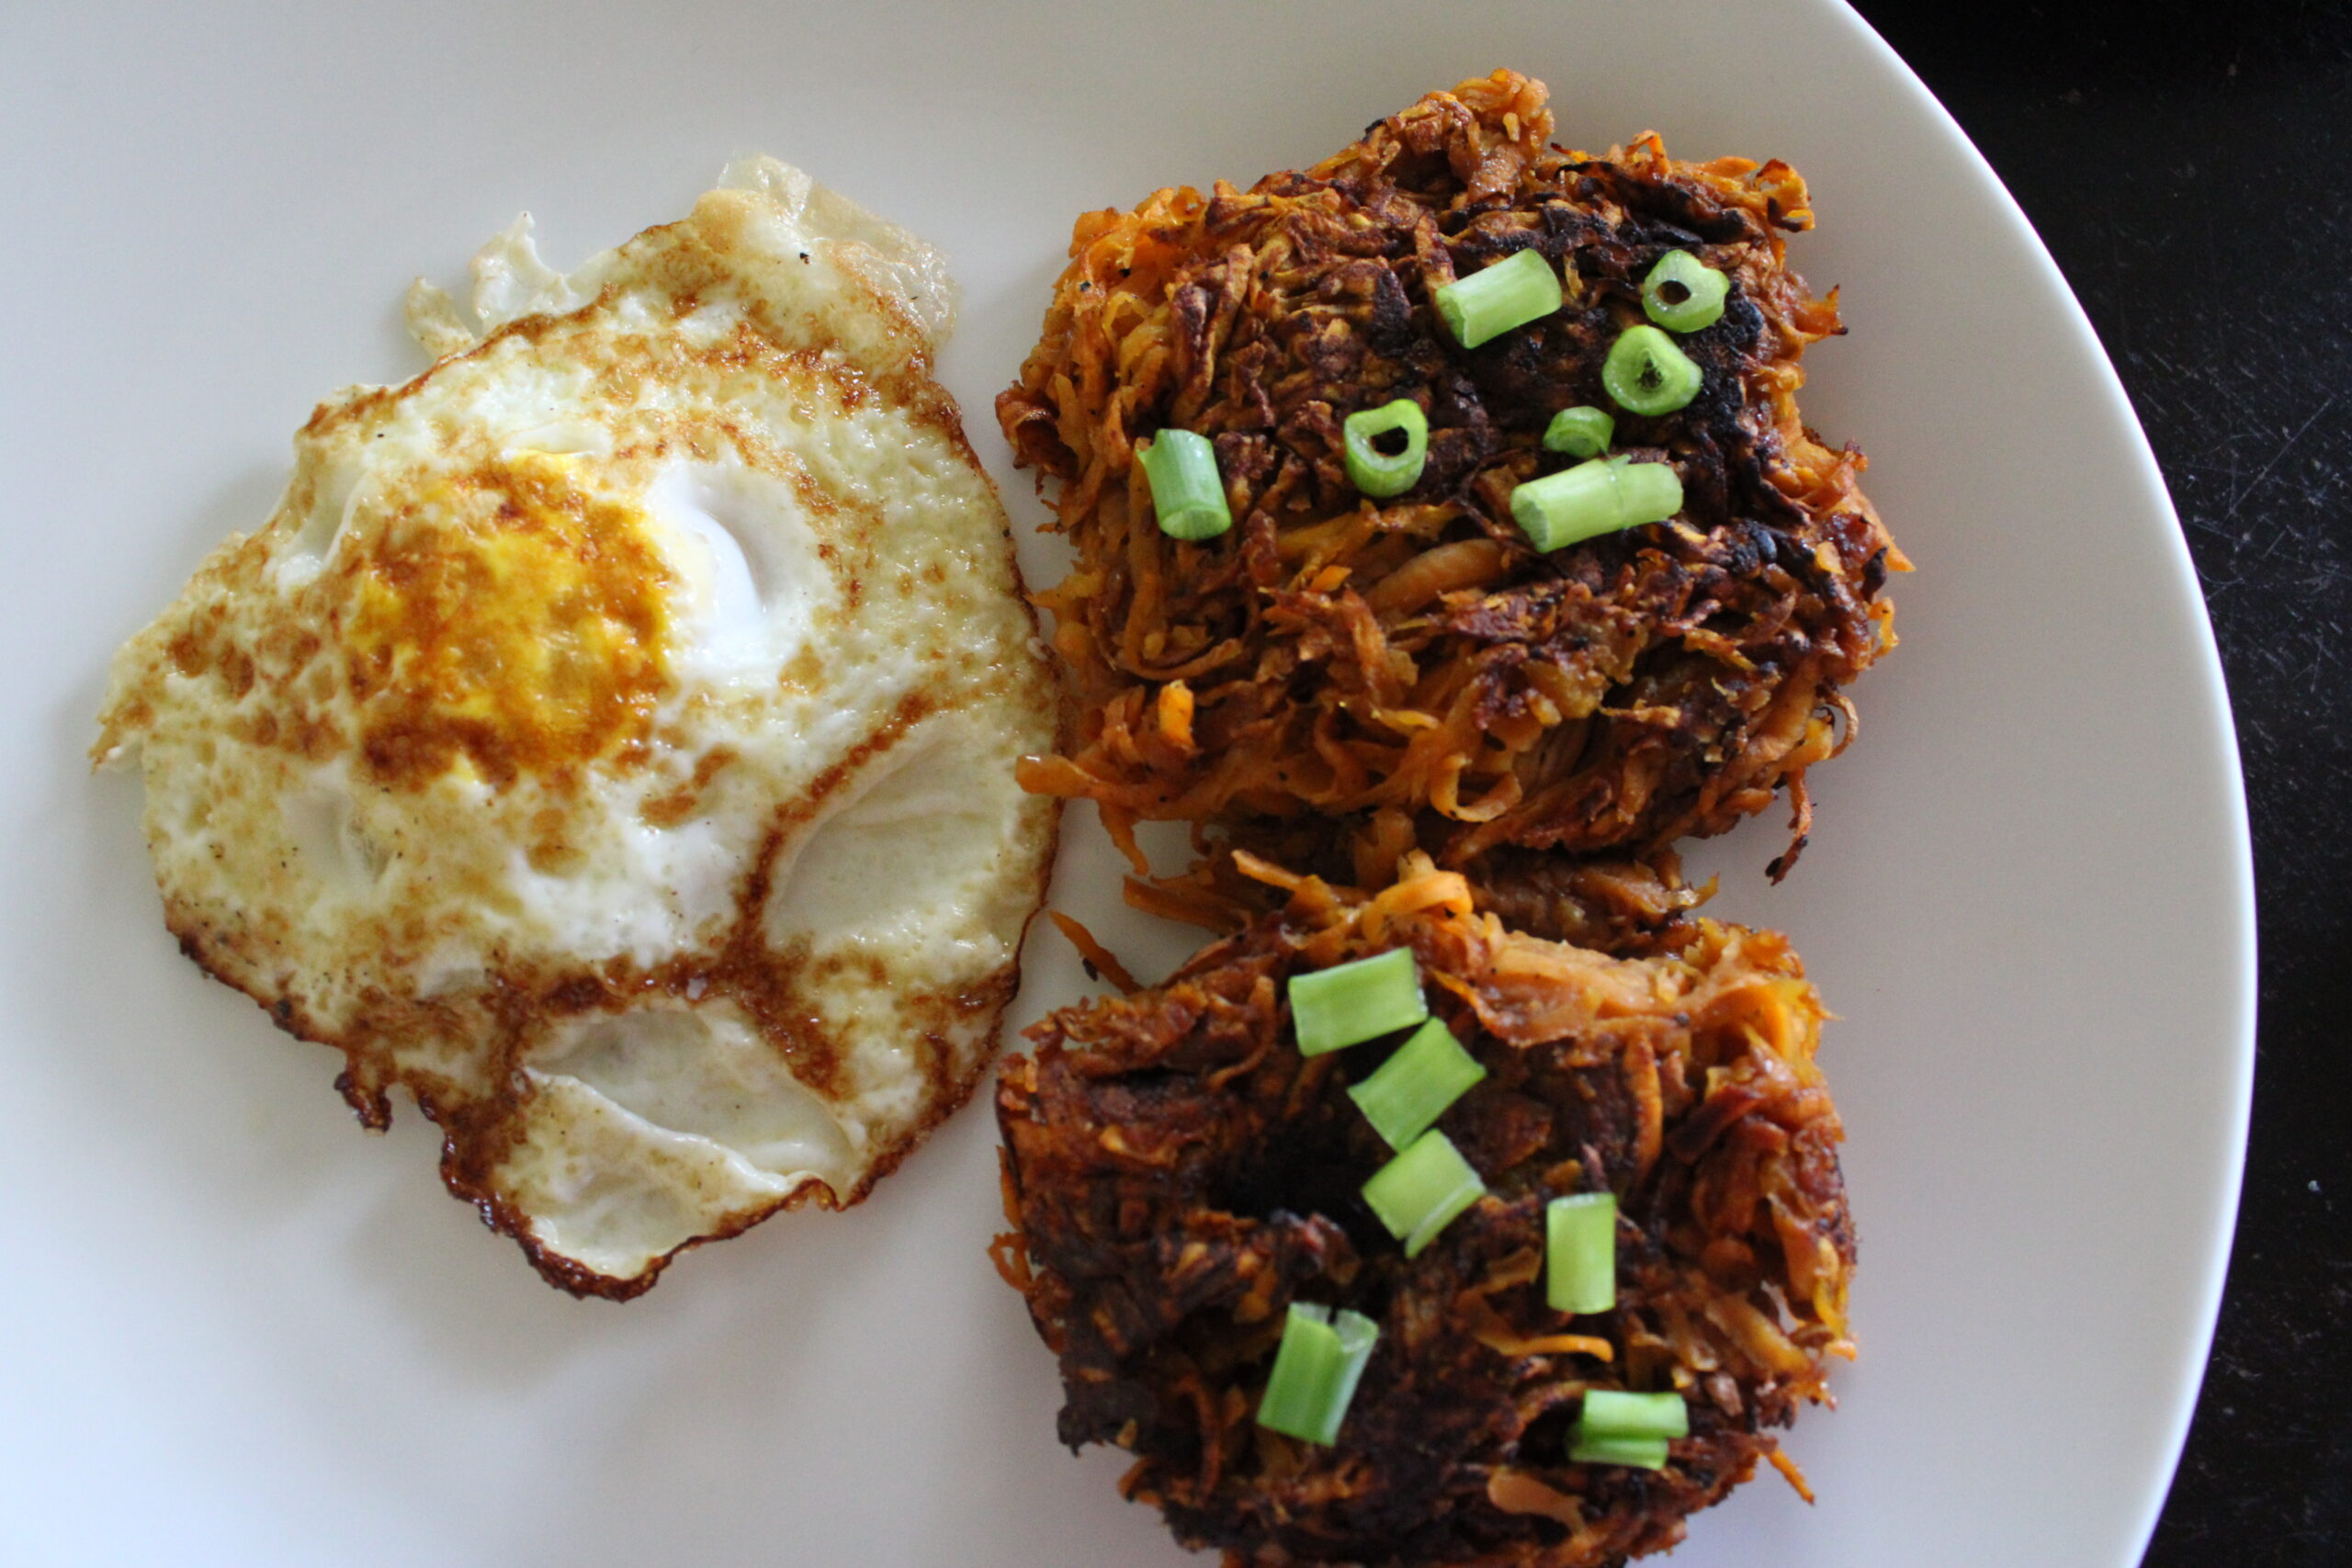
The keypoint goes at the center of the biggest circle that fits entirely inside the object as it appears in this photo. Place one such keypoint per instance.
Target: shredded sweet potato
(1176, 1174)
(1099, 960)
(1334, 658)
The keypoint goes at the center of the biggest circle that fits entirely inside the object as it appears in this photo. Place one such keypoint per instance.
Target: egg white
(609, 738)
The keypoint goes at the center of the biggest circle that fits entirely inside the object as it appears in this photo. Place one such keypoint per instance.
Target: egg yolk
(511, 621)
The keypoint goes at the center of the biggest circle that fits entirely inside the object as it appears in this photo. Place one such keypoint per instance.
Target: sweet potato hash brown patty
(1417, 656)
(1178, 1175)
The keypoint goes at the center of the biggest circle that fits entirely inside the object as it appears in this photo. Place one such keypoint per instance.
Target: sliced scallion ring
(1581, 432)
(1520, 288)
(1418, 1193)
(1598, 497)
(1580, 1252)
(1413, 1088)
(1316, 1368)
(1187, 493)
(1383, 474)
(1351, 1003)
(1647, 374)
(1683, 293)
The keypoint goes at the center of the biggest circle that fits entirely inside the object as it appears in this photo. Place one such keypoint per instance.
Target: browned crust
(478, 1135)
(692, 265)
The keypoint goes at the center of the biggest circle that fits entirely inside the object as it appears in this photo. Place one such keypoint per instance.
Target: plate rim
(2236, 966)
(2243, 956)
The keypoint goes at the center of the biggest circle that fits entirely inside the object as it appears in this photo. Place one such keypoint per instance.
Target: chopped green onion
(1642, 1453)
(1598, 497)
(1412, 1089)
(1580, 1252)
(1185, 490)
(1617, 1427)
(1418, 1193)
(1583, 431)
(1612, 1413)
(1683, 293)
(1647, 374)
(1378, 473)
(1316, 1371)
(1351, 1003)
(1520, 288)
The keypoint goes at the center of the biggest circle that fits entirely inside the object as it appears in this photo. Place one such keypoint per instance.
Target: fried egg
(610, 739)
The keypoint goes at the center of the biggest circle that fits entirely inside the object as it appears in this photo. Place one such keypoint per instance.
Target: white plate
(238, 1332)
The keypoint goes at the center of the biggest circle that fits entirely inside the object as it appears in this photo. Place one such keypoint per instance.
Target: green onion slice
(1316, 1368)
(1580, 1252)
(1582, 431)
(1351, 1003)
(1413, 1088)
(1186, 492)
(1683, 293)
(1418, 1193)
(1520, 288)
(1642, 1453)
(1378, 473)
(1602, 496)
(1612, 1413)
(1647, 374)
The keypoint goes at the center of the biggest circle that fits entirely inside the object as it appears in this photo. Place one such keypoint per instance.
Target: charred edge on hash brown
(1178, 1175)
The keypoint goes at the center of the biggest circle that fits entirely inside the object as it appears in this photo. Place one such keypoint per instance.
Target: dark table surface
(2190, 168)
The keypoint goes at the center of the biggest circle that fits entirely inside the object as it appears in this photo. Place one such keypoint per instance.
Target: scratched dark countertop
(2190, 169)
